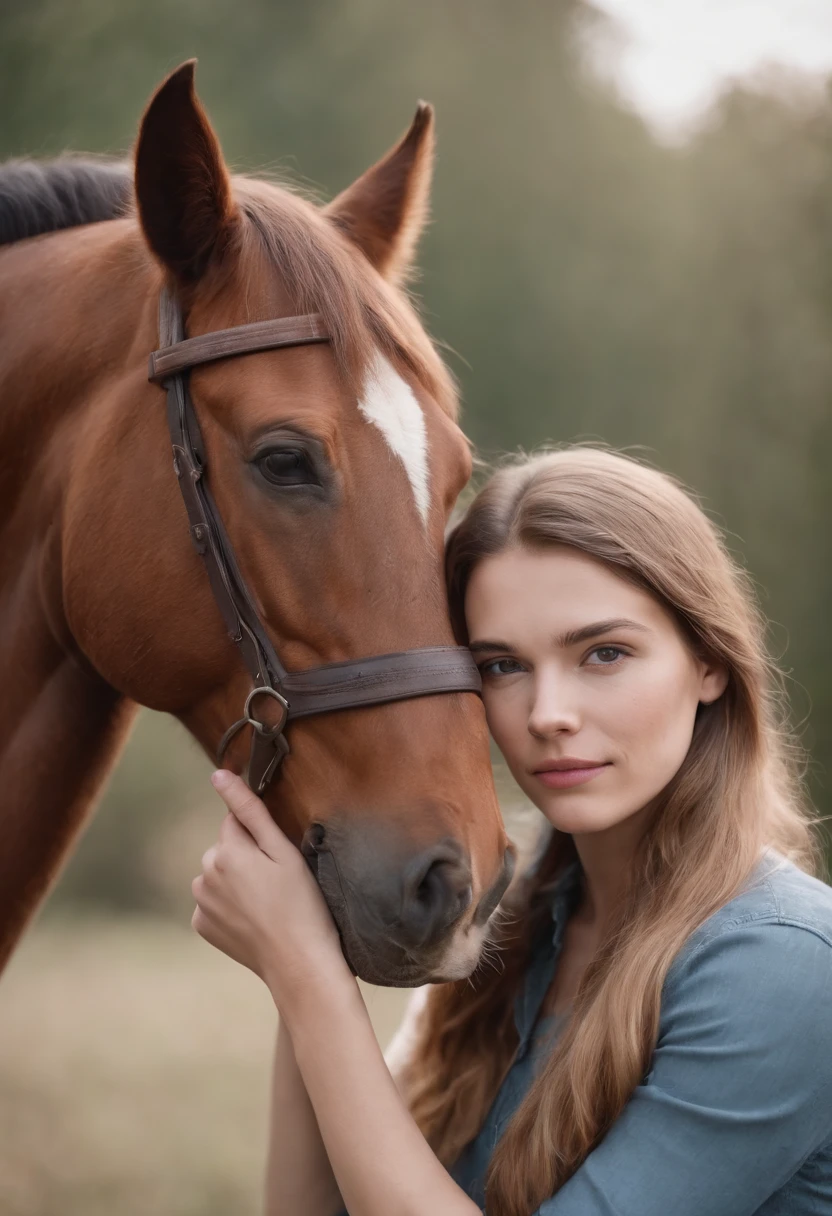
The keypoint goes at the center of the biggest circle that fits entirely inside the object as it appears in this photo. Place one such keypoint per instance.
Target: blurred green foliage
(594, 282)
(158, 817)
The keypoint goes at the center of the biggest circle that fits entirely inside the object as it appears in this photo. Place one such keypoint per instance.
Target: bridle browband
(297, 694)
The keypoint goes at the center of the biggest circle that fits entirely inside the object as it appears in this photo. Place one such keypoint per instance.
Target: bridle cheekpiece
(298, 694)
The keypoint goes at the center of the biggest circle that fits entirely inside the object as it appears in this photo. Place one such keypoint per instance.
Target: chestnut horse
(334, 482)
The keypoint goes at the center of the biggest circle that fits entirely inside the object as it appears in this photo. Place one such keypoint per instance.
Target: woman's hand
(258, 902)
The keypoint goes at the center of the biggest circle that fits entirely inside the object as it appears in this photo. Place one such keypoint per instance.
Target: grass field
(134, 1058)
(134, 1071)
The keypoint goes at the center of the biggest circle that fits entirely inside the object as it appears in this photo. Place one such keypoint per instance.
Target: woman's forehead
(557, 587)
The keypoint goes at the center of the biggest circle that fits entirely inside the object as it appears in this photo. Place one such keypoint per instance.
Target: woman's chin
(570, 814)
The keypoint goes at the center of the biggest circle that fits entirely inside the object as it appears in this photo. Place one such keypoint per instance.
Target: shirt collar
(563, 892)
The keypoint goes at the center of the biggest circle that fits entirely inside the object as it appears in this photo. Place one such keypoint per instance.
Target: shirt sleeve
(739, 1092)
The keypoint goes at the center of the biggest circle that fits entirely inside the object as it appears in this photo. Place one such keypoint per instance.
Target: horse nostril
(432, 889)
(312, 843)
(436, 890)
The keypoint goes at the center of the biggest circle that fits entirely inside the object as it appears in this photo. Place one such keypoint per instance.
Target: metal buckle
(264, 731)
(270, 733)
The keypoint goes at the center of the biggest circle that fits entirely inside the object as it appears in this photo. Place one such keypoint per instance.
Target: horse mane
(37, 197)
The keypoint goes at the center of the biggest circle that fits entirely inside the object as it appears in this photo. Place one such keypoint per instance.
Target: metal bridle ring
(264, 731)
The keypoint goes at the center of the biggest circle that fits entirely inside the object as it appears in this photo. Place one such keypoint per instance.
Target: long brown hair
(738, 791)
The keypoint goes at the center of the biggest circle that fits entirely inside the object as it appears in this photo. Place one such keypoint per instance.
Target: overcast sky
(678, 52)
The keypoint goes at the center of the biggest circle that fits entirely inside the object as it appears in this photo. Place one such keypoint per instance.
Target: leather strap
(376, 680)
(380, 679)
(183, 354)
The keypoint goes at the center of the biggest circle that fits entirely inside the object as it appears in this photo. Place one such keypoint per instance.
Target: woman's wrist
(378, 1156)
(320, 989)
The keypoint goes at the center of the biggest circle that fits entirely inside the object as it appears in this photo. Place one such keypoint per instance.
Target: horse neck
(61, 725)
(62, 730)
(76, 307)
(76, 314)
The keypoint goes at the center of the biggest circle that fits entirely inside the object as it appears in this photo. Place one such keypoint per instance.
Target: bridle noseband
(298, 694)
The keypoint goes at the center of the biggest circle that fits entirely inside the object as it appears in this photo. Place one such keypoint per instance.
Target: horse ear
(183, 191)
(385, 210)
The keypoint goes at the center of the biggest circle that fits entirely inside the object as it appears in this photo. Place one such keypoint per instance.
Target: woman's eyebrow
(573, 636)
(488, 647)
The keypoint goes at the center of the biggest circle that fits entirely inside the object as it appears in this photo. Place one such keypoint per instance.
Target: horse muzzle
(406, 916)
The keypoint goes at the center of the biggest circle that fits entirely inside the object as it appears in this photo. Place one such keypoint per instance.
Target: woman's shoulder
(777, 893)
(798, 898)
(771, 943)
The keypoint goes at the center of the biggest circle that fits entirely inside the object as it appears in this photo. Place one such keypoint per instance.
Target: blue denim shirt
(734, 1116)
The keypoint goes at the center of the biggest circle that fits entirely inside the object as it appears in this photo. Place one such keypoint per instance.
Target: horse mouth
(366, 966)
(374, 957)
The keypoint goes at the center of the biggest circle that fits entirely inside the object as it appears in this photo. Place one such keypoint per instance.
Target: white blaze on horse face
(388, 402)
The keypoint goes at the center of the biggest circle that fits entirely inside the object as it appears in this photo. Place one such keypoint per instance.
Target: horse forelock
(322, 272)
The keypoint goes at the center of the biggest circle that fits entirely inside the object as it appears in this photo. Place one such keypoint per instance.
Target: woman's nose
(554, 710)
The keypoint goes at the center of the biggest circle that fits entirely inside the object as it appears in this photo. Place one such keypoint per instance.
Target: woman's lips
(565, 778)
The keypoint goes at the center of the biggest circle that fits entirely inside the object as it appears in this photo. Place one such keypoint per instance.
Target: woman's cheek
(506, 725)
(655, 732)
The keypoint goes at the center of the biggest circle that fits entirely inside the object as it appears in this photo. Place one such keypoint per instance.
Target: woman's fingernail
(220, 778)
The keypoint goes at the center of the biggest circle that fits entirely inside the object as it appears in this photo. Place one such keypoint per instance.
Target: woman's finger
(208, 929)
(232, 831)
(250, 812)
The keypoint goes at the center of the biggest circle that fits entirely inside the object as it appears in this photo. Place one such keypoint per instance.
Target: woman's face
(589, 686)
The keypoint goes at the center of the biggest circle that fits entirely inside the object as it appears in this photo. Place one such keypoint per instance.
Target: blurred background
(632, 241)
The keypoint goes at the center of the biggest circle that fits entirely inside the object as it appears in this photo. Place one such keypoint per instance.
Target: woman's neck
(607, 859)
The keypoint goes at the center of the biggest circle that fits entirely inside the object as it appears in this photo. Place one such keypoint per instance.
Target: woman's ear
(183, 190)
(714, 681)
(384, 211)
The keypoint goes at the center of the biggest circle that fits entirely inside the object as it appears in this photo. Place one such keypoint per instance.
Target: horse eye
(287, 467)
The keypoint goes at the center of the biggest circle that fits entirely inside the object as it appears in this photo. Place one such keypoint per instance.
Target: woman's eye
(607, 655)
(501, 667)
(287, 467)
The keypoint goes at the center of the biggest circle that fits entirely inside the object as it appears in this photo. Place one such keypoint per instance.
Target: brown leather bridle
(297, 694)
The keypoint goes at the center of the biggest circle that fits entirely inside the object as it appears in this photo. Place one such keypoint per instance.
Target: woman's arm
(299, 1178)
(382, 1162)
(258, 902)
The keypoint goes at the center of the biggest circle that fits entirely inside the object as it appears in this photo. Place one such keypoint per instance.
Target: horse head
(334, 468)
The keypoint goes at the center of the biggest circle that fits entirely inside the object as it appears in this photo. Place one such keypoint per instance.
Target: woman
(657, 1037)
